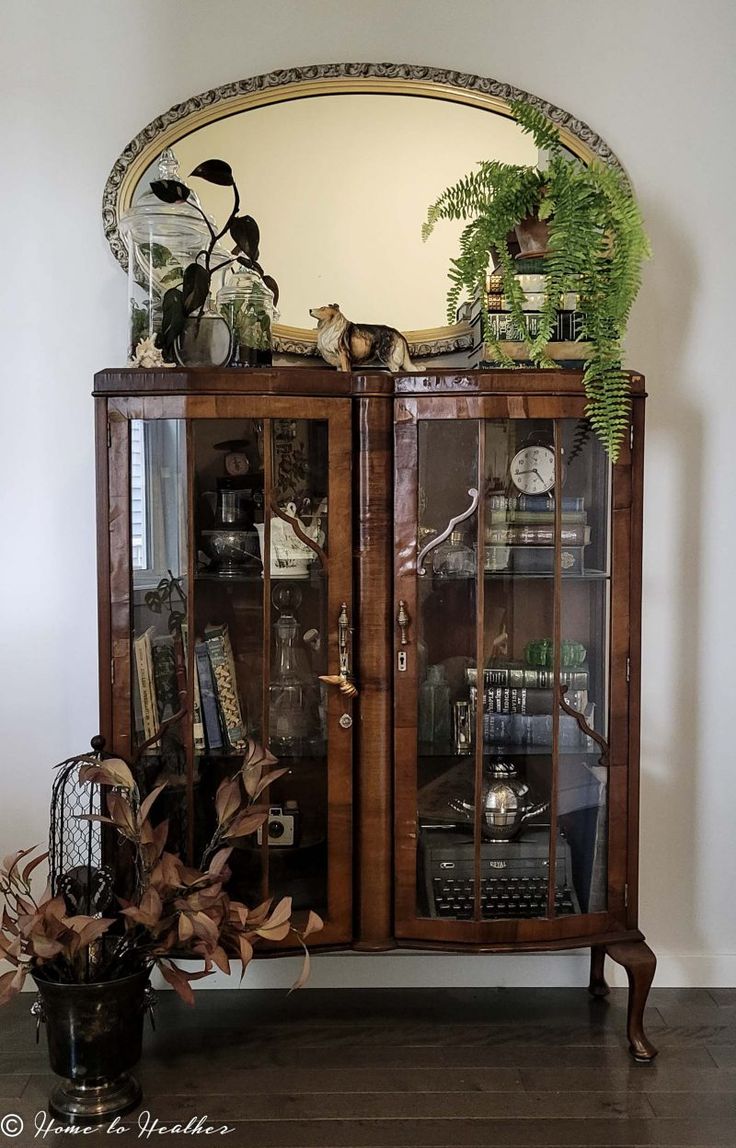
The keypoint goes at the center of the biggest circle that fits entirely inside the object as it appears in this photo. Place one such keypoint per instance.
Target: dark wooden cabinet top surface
(326, 382)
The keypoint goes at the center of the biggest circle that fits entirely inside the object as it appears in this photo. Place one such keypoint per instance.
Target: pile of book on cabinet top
(564, 345)
(217, 719)
(520, 534)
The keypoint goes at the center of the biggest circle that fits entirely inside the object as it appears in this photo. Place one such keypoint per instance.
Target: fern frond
(535, 123)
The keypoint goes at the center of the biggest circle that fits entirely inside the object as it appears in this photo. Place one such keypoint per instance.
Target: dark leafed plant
(179, 303)
(169, 595)
(176, 909)
(596, 247)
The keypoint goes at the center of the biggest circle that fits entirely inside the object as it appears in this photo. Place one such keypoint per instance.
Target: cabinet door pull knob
(403, 621)
(344, 679)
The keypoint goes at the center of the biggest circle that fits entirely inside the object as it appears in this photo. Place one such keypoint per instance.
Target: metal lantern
(79, 863)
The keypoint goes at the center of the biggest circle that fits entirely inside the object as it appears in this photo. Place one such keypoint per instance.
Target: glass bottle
(434, 708)
(248, 305)
(454, 558)
(293, 712)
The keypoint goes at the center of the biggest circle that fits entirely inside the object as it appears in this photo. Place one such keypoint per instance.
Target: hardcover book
(210, 712)
(226, 686)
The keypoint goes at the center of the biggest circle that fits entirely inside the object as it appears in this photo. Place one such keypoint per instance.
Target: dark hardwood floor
(385, 1068)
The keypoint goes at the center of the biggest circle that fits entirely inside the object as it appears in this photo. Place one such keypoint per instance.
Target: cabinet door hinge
(628, 669)
(112, 671)
(626, 896)
(109, 434)
(631, 436)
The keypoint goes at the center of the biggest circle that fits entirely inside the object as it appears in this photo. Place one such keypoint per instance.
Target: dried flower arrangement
(174, 908)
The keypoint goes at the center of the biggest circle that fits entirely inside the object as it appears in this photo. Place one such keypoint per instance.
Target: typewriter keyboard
(501, 896)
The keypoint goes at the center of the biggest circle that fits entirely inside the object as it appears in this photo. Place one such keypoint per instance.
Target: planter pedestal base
(95, 1103)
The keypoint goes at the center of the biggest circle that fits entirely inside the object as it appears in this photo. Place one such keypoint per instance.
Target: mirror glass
(339, 163)
(340, 186)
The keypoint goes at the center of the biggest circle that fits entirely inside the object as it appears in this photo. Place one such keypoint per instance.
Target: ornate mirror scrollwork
(338, 162)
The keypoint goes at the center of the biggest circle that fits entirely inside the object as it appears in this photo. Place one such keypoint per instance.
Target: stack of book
(520, 535)
(217, 719)
(563, 346)
(520, 715)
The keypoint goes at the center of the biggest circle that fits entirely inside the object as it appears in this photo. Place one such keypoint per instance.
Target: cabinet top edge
(299, 381)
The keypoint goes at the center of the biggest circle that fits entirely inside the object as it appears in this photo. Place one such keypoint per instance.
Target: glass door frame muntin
(409, 926)
(116, 602)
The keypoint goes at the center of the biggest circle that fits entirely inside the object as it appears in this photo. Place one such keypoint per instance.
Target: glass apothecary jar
(248, 305)
(454, 558)
(162, 239)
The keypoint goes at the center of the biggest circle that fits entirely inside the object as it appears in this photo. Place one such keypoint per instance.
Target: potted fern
(586, 225)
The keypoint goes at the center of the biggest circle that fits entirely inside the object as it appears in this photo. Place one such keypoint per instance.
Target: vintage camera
(282, 825)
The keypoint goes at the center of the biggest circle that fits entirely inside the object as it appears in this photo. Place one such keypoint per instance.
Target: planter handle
(150, 1004)
(37, 1010)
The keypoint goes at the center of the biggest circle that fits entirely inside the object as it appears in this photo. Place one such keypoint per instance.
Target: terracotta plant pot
(94, 1033)
(532, 235)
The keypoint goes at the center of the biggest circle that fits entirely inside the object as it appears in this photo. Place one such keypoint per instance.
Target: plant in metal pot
(91, 948)
(585, 224)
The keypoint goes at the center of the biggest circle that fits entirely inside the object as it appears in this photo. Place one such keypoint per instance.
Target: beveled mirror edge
(331, 79)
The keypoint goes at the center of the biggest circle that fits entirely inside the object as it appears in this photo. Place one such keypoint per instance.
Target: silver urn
(506, 803)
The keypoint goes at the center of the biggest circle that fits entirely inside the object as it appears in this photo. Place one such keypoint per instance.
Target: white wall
(655, 78)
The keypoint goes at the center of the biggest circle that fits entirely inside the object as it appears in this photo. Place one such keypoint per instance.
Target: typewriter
(513, 875)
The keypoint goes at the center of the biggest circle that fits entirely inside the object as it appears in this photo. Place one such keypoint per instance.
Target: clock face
(236, 463)
(533, 469)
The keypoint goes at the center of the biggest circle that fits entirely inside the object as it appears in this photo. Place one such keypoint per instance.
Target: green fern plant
(596, 248)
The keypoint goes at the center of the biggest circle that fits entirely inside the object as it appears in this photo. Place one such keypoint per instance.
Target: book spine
(164, 676)
(197, 720)
(537, 535)
(534, 502)
(144, 670)
(537, 517)
(510, 700)
(223, 672)
(209, 698)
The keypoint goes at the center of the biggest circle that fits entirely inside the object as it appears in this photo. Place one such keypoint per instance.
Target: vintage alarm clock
(532, 469)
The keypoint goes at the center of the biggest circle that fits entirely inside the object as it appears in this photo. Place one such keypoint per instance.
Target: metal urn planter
(94, 1033)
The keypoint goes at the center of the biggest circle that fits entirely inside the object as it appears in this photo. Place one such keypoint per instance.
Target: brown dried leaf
(228, 800)
(269, 779)
(314, 924)
(219, 862)
(113, 771)
(219, 956)
(246, 954)
(122, 814)
(185, 928)
(246, 824)
(303, 977)
(178, 980)
(45, 948)
(33, 865)
(147, 803)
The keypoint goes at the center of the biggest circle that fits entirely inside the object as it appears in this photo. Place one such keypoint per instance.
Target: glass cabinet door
(241, 605)
(506, 585)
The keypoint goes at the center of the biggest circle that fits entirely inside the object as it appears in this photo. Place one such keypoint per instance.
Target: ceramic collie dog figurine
(344, 345)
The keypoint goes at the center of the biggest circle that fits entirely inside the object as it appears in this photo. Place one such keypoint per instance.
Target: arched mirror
(338, 164)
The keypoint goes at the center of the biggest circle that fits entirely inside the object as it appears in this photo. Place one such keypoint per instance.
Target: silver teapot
(506, 803)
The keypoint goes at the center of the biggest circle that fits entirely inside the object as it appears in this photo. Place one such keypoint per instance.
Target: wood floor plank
(401, 1106)
(680, 1105)
(656, 1078)
(158, 1079)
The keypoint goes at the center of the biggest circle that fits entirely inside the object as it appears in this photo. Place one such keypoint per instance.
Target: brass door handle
(344, 679)
(403, 620)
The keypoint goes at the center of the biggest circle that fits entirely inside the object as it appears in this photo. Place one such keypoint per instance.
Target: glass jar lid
(149, 214)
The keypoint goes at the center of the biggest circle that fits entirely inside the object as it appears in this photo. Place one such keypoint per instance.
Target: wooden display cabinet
(480, 793)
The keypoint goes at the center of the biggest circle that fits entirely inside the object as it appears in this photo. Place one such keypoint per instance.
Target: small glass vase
(206, 340)
(248, 305)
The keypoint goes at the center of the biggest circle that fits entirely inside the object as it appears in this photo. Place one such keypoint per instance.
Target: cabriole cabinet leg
(598, 986)
(640, 963)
